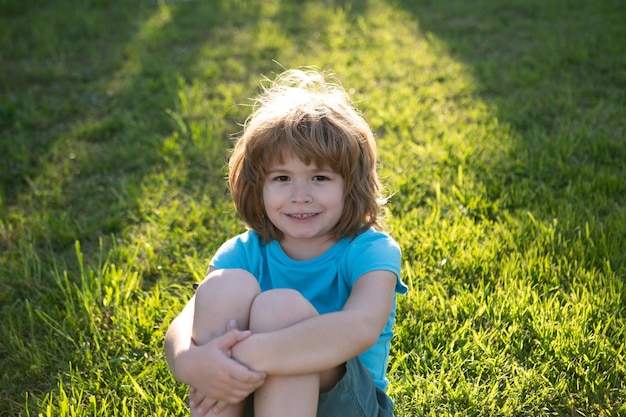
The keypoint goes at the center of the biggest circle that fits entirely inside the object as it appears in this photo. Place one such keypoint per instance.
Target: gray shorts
(355, 395)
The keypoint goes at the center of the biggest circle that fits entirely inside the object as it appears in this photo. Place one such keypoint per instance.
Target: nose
(301, 193)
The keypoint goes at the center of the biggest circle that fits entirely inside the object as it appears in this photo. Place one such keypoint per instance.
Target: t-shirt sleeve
(372, 251)
(235, 253)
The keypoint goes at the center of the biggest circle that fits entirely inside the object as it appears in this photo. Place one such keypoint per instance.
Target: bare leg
(284, 395)
(224, 295)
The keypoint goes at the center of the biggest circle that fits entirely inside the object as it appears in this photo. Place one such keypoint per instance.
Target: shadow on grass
(553, 74)
(84, 99)
(84, 94)
(553, 71)
(84, 116)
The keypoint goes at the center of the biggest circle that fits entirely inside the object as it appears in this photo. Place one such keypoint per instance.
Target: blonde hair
(303, 114)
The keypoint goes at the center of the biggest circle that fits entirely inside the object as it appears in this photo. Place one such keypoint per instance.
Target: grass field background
(501, 129)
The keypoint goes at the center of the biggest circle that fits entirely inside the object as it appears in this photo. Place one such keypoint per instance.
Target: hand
(223, 381)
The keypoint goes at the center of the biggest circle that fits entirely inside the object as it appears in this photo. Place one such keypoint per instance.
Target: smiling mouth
(302, 215)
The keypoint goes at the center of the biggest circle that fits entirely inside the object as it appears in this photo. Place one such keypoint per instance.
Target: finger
(230, 339)
(204, 407)
(195, 398)
(259, 381)
(232, 325)
(239, 392)
(192, 393)
(219, 407)
(253, 383)
(239, 376)
(242, 375)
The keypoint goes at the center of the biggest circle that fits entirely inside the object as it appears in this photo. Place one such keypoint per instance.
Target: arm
(324, 341)
(209, 368)
(178, 342)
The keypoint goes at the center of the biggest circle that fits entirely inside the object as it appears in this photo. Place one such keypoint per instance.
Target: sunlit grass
(501, 138)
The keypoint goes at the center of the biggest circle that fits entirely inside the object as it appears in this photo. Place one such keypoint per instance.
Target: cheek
(341, 194)
(268, 198)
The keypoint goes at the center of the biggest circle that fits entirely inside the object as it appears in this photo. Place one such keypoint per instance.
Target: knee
(275, 309)
(226, 285)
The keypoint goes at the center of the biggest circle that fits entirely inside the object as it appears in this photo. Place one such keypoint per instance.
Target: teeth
(302, 215)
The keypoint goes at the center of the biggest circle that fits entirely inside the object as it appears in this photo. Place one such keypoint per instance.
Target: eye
(319, 178)
(281, 178)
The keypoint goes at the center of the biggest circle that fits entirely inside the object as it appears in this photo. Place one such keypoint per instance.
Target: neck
(303, 250)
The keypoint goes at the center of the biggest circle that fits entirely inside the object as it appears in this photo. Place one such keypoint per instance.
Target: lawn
(501, 129)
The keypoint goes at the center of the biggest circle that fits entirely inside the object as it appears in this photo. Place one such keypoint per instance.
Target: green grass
(502, 137)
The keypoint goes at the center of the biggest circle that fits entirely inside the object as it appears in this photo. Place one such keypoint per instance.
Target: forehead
(289, 158)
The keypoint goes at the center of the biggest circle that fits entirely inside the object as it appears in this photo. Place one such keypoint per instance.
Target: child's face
(303, 201)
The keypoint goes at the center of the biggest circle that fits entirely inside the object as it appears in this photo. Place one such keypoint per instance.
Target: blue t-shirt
(326, 281)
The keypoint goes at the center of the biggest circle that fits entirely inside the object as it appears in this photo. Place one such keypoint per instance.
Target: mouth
(302, 216)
